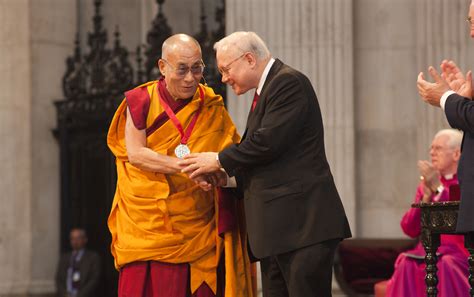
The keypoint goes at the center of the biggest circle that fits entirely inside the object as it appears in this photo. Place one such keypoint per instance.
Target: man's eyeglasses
(182, 70)
(225, 70)
(438, 149)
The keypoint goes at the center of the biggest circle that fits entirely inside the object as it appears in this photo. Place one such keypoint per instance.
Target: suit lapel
(245, 133)
(271, 74)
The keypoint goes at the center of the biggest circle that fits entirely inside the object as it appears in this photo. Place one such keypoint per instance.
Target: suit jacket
(290, 197)
(89, 268)
(460, 114)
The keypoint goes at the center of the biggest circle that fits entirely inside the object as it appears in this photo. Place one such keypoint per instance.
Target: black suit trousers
(305, 272)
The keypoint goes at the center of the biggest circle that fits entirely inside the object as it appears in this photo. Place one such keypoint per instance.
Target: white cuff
(445, 96)
(231, 182)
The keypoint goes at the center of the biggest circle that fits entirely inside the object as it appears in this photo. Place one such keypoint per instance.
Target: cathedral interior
(66, 63)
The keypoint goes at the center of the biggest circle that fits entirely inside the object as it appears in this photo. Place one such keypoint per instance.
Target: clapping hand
(432, 92)
(430, 177)
(455, 78)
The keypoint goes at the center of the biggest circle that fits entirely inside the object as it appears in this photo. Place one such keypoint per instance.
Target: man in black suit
(295, 218)
(78, 271)
(452, 91)
(459, 110)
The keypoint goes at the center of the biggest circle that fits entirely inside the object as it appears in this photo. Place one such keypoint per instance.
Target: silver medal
(181, 151)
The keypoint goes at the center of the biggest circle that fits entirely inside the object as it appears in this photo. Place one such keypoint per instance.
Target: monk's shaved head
(180, 57)
(177, 43)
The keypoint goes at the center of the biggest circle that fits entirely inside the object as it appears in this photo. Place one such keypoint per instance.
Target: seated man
(170, 238)
(436, 179)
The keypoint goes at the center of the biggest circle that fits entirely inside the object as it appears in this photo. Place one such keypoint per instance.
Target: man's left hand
(204, 182)
(459, 83)
(432, 92)
(200, 163)
(207, 181)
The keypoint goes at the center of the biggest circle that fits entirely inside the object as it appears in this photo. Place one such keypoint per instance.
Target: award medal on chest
(181, 151)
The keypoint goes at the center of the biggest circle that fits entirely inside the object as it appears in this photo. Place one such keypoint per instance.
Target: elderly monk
(171, 238)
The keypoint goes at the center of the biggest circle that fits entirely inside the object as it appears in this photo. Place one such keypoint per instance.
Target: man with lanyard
(78, 272)
(170, 238)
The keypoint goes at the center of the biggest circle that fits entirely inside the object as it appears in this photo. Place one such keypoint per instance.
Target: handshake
(204, 169)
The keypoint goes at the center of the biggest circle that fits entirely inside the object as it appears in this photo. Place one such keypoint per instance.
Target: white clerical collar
(264, 75)
(449, 176)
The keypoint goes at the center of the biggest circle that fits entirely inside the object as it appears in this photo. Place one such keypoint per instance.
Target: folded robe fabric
(167, 217)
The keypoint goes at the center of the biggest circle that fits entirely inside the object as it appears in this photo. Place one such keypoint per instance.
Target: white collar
(448, 176)
(263, 78)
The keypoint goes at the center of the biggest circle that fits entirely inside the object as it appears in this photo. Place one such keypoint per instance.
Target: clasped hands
(451, 78)
(430, 178)
(204, 170)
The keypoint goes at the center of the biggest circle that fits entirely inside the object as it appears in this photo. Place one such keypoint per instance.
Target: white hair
(244, 42)
(454, 137)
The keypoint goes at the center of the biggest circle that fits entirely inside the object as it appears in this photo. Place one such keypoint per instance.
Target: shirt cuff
(231, 182)
(445, 96)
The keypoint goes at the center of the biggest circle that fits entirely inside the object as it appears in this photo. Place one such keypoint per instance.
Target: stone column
(33, 37)
(16, 149)
(394, 41)
(315, 37)
(386, 119)
(442, 33)
(53, 29)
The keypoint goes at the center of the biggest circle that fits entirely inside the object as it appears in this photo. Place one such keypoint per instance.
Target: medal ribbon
(184, 134)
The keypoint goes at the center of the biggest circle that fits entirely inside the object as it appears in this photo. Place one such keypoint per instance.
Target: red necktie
(255, 99)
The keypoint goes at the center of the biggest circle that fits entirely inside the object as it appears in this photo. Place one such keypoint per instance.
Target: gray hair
(454, 137)
(244, 42)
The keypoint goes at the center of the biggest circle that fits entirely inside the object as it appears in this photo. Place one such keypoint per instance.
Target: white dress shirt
(442, 101)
